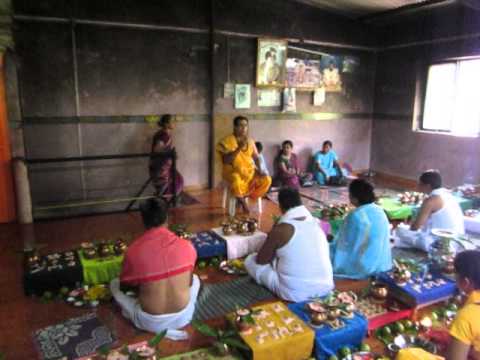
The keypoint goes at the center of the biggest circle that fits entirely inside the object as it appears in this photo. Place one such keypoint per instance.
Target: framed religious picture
(332, 67)
(303, 74)
(271, 62)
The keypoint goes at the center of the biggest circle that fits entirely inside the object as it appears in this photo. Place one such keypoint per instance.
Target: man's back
(161, 264)
(166, 296)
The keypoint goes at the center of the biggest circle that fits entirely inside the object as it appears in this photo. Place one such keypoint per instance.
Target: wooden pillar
(7, 196)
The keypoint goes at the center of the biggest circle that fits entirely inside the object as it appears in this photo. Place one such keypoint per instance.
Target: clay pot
(90, 253)
(379, 291)
(120, 247)
(318, 318)
(104, 250)
(227, 229)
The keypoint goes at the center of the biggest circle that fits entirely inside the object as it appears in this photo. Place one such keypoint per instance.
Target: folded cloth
(416, 354)
(240, 245)
(132, 310)
(329, 341)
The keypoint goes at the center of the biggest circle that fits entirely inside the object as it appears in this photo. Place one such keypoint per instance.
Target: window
(452, 102)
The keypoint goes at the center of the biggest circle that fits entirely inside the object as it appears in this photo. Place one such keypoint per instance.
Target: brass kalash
(241, 226)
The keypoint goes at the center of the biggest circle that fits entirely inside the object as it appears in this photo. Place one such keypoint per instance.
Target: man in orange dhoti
(240, 164)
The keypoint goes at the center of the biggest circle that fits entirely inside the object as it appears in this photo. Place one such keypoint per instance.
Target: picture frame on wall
(303, 74)
(271, 62)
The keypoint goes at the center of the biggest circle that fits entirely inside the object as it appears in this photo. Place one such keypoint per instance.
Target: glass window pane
(467, 106)
(440, 97)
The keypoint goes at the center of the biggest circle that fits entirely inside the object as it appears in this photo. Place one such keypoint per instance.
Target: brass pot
(334, 314)
(227, 229)
(448, 264)
(401, 277)
(120, 247)
(318, 318)
(379, 291)
(105, 250)
(86, 245)
(33, 260)
(252, 225)
(242, 228)
(90, 253)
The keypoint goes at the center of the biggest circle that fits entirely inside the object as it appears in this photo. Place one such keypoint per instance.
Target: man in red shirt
(161, 265)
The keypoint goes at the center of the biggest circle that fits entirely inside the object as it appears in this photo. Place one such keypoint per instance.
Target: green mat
(397, 211)
(100, 270)
(394, 209)
(219, 299)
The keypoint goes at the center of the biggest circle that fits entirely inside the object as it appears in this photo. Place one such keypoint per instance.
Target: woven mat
(219, 299)
(73, 338)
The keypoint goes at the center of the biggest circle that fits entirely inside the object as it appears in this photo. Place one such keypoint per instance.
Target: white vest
(303, 264)
(449, 217)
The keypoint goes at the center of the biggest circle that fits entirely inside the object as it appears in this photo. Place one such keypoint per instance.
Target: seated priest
(161, 265)
(362, 248)
(293, 262)
(239, 171)
(326, 168)
(440, 210)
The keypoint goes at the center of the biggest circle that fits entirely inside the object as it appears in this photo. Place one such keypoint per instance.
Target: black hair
(362, 190)
(259, 146)
(287, 142)
(154, 212)
(432, 178)
(289, 198)
(165, 119)
(327, 142)
(237, 119)
(467, 266)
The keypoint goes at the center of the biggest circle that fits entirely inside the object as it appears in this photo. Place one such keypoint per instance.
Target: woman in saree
(161, 166)
(287, 172)
(362, 248)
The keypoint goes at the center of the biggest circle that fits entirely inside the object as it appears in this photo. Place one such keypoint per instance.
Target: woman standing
(161, 166)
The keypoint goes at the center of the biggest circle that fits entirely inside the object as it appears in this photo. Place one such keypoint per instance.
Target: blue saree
(362, 246)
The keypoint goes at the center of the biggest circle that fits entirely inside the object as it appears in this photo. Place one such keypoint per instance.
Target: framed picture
(303, 74)
(332, 67)
(242, 96)
(271, 62)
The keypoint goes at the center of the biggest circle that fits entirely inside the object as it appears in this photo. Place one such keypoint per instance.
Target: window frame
(423, 96)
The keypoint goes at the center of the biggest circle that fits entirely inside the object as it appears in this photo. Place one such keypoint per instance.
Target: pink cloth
(157, 254)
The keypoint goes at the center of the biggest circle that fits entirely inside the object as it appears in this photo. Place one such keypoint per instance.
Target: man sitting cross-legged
(161, 264)
(294, 261)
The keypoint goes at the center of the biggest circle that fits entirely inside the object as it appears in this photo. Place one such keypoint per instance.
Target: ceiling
(360, 8)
